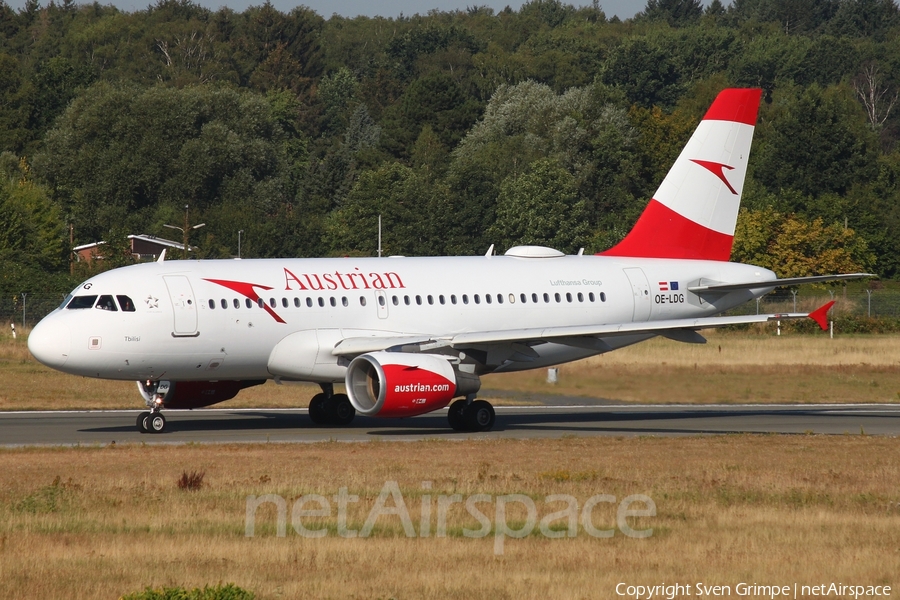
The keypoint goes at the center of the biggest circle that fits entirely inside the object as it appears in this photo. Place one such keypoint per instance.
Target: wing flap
(519, 341)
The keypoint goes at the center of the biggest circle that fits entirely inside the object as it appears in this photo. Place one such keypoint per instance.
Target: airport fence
(25, 311)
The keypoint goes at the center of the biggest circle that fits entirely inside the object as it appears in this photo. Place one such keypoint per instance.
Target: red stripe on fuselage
(661, 232)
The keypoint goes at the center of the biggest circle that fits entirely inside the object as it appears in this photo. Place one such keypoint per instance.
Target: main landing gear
(471, 415)
(329, 408)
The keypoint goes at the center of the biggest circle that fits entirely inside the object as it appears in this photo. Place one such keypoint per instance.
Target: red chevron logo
(716, 169)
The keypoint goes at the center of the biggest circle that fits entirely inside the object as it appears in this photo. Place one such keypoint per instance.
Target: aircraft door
(381, 302)
(183, 305)
(640, 288)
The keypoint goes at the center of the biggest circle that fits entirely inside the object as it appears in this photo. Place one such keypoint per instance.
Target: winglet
(820, 315)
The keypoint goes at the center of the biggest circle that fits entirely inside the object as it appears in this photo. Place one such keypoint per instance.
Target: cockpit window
(82, 302)
(126, 303)
(65, 302)
(106, 303)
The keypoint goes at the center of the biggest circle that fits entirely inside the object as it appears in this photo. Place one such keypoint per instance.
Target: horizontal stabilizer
(715, 288)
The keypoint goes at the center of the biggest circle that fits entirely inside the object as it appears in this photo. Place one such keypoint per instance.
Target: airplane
(410, 335)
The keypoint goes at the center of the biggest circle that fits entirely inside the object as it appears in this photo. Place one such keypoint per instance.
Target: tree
(645, 71)
(411, 207)
(816, 142)
(792, 246)
(541, 207)
(677, 13)
(131, 158)
(31, 228)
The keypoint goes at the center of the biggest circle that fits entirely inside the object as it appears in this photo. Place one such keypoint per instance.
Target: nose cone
(49, 343)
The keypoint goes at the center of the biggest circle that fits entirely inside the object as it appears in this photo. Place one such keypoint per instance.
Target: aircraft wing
(713, 287)
(587, 336)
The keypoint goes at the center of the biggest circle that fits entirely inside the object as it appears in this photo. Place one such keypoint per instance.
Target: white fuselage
(221, 319)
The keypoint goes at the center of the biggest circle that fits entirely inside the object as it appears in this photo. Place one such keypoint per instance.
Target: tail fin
(694, 211)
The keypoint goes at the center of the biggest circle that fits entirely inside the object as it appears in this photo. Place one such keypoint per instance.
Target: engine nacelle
(395, 384)
(192, 394)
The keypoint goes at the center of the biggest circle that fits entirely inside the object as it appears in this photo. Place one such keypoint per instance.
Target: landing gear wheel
(317, 412)
(455, 415)
(480, 416)
(339, 409)
(156, 423)
(143, 424)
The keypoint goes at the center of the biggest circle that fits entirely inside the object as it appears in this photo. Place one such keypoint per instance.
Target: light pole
(24, 294)
(240, 231)
(184, 231)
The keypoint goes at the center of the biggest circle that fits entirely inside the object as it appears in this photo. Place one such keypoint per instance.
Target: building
(143, 248)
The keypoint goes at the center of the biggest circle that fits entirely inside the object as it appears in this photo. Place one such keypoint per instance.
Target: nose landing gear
(153, 421)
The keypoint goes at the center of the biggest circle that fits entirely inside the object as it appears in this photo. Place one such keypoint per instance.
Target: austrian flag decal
(668, 286)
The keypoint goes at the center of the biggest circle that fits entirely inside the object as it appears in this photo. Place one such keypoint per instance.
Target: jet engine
(192, 394)
(395, 384)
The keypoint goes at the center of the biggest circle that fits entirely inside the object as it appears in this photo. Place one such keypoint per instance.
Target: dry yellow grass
(731, 368)
(96, 523)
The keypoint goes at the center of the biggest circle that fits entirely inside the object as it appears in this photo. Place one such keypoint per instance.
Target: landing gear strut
(329, 408)
(471, 415)
(153, 421)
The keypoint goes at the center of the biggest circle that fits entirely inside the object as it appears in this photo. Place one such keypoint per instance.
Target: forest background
(549, 125)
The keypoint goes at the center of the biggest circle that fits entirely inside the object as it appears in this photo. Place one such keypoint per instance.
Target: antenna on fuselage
(490, 251)
(162, 256)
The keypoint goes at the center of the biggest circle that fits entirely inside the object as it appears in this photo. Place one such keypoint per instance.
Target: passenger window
(465, 299)
(523, 298)
(430, 299)
(534, 298)
(344, 301)
(580, 297)
(261, 303)
(591, 296)
(487, 298)
(477, 299)
(452, 298)
(557, 297)
(126, 303)
(546, 297)
(309, 302)
(381, 300)
(395, 300)
(224, 303)
(107, 303)
(212, 304)
(441, 299)
(82, 302)
(568, 296)
(272, 302)
(284, 302)
(236, 302)
(418, 300)
(362, 300)
(602, 296)
(248, 302)
(296, 302)
(332, 301)
(406, 300)
(322, 302)
(500, 298)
